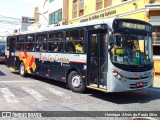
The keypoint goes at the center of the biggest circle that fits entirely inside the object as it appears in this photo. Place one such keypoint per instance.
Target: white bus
(108, 55)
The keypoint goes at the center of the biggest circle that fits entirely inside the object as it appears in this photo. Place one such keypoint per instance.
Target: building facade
(24, 24)
(53, 13)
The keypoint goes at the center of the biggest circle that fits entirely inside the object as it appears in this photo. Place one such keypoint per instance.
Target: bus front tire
(75, 82)
(22, 70)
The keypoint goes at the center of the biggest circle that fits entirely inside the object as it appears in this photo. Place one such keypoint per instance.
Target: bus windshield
(132, 49)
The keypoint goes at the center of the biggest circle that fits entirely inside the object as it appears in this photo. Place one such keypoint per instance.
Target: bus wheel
(75, 82)
(22, 70)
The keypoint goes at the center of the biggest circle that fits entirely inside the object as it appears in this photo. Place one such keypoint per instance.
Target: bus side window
(44, 45)
(56, 42)
(38, 45)
(41, 42)
(20, 43)
(70, 47)
(51, 47)
(75, 41)
(29, 44)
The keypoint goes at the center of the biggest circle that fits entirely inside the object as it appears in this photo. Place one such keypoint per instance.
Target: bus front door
(98, 62)
(12, 46)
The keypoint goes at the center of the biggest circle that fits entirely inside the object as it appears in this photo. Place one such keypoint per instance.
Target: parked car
(2, 51)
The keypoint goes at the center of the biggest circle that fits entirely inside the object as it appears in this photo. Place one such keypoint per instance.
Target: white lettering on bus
(57, 58)
(133, 26)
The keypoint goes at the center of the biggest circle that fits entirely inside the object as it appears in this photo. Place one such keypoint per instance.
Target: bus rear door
(98, 62)
(12, 46)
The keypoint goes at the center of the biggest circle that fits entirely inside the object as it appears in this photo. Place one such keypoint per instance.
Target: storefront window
(156, 35)
(99, 4)
(81, 8)
(124, 0)
(51, 1)
(75, 8)
(55, 17)
(156, 40)
(51, 18)
(108, 3)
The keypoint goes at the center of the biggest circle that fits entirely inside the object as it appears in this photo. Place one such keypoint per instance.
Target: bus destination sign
(133, 26)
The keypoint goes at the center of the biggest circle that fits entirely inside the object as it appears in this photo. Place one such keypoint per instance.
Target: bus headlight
(117, 75)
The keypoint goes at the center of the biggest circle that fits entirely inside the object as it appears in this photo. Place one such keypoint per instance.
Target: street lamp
(44, 18)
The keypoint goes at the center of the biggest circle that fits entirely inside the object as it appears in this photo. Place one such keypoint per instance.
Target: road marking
(35, 94)
(61, 94)
(13, 81)
(1, 73)
(10, 97)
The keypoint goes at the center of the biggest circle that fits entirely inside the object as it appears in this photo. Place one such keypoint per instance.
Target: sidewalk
(156, 81)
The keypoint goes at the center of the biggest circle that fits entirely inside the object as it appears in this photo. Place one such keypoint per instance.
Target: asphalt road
(41, 94)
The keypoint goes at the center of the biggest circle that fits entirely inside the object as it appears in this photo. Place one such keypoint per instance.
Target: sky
(16, 9)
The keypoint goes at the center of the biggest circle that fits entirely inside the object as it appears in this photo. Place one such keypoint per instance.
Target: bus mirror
(111, 42)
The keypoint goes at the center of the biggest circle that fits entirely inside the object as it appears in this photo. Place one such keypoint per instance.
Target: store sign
(98, 16)
(133, 26)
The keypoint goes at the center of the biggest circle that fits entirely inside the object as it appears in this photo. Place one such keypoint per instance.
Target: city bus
(103, 62)
(2, 50)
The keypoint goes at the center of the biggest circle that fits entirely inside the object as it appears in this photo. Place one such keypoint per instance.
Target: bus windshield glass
(132, 49)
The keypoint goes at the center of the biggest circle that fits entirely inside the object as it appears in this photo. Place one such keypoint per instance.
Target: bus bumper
(130, 85)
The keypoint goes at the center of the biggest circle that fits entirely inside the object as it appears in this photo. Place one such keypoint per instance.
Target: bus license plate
(140, 84)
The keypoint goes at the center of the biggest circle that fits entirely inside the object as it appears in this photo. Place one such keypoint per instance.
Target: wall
(55, 5)
(127, 9)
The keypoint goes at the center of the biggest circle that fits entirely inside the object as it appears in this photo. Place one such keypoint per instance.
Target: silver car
(2, 51)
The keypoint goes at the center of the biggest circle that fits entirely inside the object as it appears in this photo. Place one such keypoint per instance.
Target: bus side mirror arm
(111, 42)
(110, 47)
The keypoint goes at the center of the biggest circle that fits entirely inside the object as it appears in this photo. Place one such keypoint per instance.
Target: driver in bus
(128, 48)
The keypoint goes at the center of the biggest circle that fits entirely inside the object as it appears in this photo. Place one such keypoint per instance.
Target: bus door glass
(41, 48)
(98, 58)
(12, 46)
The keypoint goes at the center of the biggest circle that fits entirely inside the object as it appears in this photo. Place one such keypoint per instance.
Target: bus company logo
(135, 75)
(29, 61)
(56, 58)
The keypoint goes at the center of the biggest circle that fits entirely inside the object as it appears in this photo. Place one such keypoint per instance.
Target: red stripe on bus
(25, 54)
(78, 62)
(31, 61)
